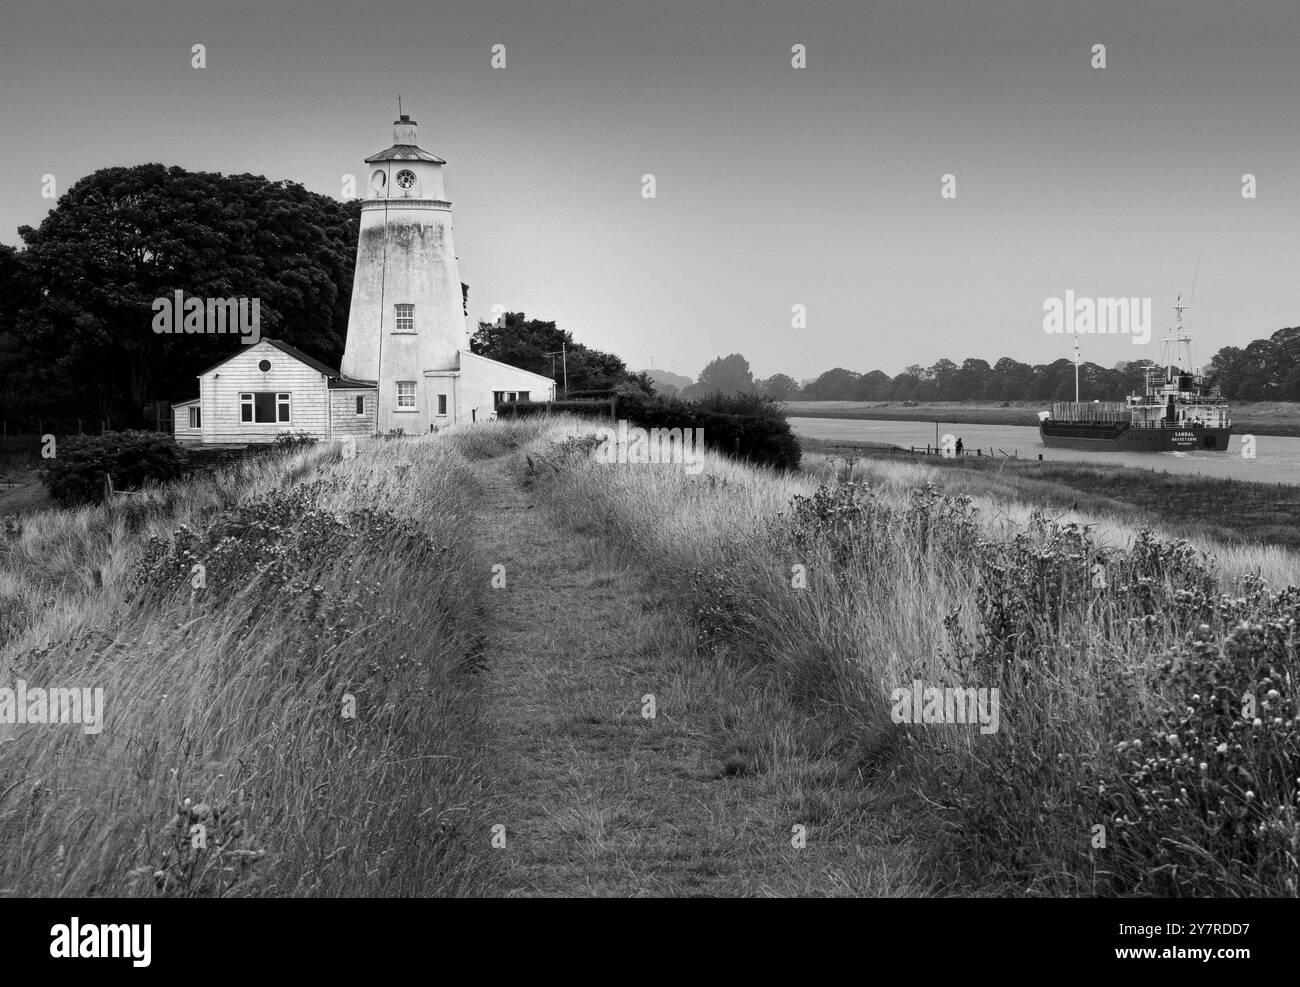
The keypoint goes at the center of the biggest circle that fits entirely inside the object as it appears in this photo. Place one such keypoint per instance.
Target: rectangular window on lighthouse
(406, 394)
(405, 318)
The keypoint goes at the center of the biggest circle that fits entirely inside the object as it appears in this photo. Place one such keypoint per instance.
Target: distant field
(1258, 418)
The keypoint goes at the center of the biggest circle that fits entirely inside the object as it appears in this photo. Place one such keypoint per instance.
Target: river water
(1276, 460)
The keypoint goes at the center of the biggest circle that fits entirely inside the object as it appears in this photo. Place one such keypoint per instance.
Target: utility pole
(564, 362)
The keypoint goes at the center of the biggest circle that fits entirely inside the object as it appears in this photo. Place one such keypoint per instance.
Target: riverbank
(1224, 511)
(1252, 418)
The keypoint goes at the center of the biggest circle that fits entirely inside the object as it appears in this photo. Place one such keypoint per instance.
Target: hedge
(529, 409)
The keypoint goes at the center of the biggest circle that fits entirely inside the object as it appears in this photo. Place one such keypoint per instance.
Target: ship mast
(1076, 366)
(1181, 340)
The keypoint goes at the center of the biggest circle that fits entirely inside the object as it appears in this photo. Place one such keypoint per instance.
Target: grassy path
(598, 800)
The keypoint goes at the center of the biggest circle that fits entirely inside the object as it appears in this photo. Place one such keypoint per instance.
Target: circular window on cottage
(406, 178)
(264, 366)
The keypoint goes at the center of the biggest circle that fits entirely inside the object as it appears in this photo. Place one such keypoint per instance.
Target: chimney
(404, 130)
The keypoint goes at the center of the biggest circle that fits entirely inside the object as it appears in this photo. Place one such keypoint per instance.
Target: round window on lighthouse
(405, 179)
(378, 180)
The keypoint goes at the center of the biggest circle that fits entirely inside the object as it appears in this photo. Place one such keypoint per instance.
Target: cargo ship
(1179, 410)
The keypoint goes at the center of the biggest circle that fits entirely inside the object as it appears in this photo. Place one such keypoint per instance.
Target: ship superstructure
(1179, 409)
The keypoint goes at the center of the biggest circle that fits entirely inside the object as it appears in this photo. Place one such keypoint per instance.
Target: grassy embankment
(330, 588)
(1122, 663)
(1122, 763)
(1248, 418)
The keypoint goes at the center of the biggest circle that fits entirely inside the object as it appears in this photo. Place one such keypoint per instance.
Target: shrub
(747, 426)
(1215, 780)
(76, 474)
(294, 440)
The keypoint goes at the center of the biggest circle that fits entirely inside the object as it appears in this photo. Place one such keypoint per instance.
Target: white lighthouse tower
(407, 313)
(406, 326)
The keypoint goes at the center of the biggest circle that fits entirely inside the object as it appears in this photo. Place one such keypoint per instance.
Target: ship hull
(1120, 437)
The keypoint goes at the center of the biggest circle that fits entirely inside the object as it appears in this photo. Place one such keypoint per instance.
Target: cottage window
(264, 407)
(361, 404)
(405, 318)
(196, 417)
(442, 405)
(406, 394)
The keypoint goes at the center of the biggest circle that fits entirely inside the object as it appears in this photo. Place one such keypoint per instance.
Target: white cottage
(271, 388)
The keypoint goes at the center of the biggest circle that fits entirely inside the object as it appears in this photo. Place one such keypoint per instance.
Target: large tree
(780, 387)
(872, 386)
(833, 385)
(971, 382)
(725, 375)
(124, 236)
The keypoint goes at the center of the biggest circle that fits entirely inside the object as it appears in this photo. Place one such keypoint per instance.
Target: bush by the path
(745, 426)
(76, 473)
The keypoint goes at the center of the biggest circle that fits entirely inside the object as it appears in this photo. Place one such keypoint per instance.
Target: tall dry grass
(305, 723)
(1121, 765)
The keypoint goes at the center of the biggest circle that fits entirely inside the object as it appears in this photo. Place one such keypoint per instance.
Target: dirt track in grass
(700, 800)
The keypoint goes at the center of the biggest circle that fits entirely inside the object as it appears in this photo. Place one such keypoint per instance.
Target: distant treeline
(1264, 370)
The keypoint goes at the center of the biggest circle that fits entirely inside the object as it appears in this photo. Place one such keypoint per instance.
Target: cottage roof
(336, 378)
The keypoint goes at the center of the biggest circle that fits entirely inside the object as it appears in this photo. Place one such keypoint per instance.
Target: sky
(775, 186)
